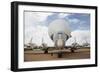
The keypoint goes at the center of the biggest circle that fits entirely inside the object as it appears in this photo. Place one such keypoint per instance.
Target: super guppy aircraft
(59, 32)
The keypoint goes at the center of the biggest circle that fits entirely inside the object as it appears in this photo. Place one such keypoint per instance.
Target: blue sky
(36, 26)
(76, 20)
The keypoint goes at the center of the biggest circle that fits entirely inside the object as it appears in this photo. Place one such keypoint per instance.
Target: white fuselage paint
(60, 43)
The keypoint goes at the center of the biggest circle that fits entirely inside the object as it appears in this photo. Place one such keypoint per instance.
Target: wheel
(59, 55)
(72, 50)
(51, 54)
(46, 51)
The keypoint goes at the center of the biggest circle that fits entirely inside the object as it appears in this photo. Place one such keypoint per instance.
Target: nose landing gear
(59, 55)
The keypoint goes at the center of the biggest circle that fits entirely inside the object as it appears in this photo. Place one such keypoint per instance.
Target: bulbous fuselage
(59, 32)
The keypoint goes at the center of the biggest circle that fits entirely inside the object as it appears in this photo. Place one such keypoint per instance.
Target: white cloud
(62, 15)
(33, 28)
(39, 33)
(74, 20)
(36, 16)
(80, 36)
(32, 19)
(42, 16)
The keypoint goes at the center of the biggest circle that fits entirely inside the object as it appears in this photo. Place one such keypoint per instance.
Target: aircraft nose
(59, 43)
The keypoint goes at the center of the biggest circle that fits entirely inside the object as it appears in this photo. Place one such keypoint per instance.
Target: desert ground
(38, 55)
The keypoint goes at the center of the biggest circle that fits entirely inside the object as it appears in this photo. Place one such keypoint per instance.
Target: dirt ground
(30, 55)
